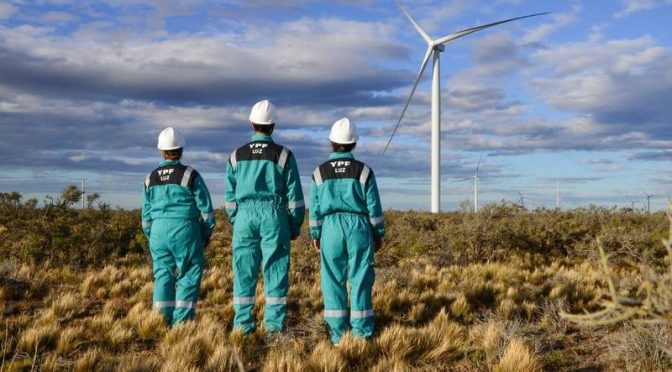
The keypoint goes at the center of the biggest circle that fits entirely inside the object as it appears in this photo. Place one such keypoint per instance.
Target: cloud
(634, 6)
(326, 61)
(7, 10)
(651, 156)
(598, 161)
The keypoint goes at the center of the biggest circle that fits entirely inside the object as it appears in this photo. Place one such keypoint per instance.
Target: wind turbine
(521, 201)
(476, 180)
(435, 47)
(648, 200)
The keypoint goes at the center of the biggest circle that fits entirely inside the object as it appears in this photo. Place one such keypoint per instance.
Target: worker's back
(168, 189)
(342, 185)
(259, 170)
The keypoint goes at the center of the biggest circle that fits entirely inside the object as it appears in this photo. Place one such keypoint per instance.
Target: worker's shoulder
(172, 174)
(345, 168)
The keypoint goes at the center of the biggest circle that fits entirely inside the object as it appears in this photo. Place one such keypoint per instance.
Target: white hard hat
(170, 139)
(344, 132)
(263, 113)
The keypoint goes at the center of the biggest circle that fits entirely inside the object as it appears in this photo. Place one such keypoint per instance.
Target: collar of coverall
(262, 137)
(168, 162)
(341, 155)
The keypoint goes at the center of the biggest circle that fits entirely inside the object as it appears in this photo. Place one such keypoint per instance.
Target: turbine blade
(408, 100)
(459, 34)
(417, 27)
(479, 164)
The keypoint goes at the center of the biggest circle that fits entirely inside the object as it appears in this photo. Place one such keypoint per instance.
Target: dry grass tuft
(460, 308)
(355, 350)
(118, 337)
(517, 358)
(147, 324)
(439, 341)
(67, 306)
(282, 361)
(69, 339)
(392, 365)
(325, 357)
(138, 363)
(225, 358)
(89, 361)
(38, 337)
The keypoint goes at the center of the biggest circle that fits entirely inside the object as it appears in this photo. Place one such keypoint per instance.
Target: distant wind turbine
(648, 200)
(476, 180)
(435, 47)
(521, 201)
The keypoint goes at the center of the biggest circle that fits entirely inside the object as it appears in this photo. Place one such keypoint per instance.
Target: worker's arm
(295, 203)
(374, 207)
(204, 204)
(314, 213)
(146, 212)
(230, 192)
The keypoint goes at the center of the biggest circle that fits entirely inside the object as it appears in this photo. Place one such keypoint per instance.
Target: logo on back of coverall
(340, 166)
(258, 148)
(164, 174)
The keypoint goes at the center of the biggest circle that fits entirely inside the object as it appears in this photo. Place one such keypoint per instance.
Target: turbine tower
(476, 180)
(434, 48)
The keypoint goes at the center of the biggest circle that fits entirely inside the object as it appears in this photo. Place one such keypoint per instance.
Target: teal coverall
(178, 220)
(264, 201)
(346, 215)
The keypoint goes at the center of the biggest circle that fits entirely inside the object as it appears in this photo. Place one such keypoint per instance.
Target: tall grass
(457, 291)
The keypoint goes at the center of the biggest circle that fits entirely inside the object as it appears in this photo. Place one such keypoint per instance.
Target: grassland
(457, 291)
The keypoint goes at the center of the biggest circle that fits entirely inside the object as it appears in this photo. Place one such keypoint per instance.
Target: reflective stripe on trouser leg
(163, 267)
(333, 268)
(361, 263)
(245, 263)
(275, 246)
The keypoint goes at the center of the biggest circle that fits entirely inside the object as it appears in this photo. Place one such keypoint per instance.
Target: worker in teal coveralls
(346, 224)
(264, 202)
(178, 220)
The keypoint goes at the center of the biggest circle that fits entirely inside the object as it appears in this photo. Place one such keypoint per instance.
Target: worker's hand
(378, 243)
(316, 244)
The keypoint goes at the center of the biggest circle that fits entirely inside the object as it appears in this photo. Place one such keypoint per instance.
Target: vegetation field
(458, 291)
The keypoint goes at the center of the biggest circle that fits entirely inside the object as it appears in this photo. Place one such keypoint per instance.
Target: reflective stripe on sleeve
(361, 314)
(146, 224)
(185, 304)
(186, 176)
(365, 175)
(282, 161)
(335, 313)
(243, 300)
(376, 220)
(296, 204)
(163, 304)
(232, 159)
(208, 216)
(317, 176)
(317, 223)
(230, 205)
(276, 300)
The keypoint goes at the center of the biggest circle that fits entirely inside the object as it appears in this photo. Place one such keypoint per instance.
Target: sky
(579, 97)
